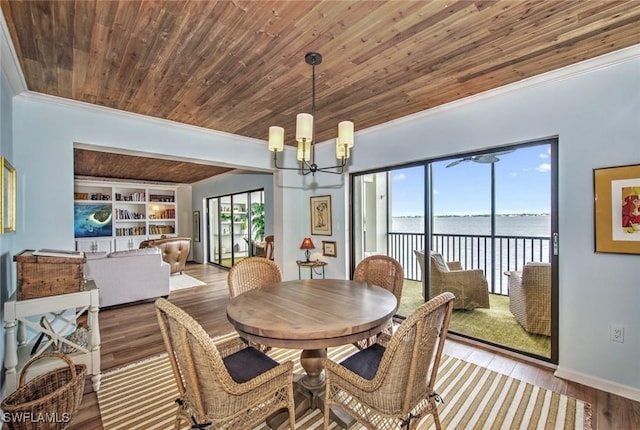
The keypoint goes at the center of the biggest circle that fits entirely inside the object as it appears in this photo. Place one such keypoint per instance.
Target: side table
(311, 265)
(18, 349)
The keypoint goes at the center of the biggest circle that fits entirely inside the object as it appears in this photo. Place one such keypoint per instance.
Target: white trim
(616, 388)
(116, 113)
(9, 60)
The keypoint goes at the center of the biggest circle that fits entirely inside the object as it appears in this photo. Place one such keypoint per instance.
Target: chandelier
(305, 134)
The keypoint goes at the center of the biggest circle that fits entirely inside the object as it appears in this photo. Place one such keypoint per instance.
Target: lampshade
(345, 133)
(307, 244)
(342, 151)
(304, 127)
(276, 138)
(304, 151)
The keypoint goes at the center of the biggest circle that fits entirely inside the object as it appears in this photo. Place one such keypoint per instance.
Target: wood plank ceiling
(238, 66)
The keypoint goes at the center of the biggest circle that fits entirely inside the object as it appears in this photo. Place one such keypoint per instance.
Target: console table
(311, 265)
(18, 348)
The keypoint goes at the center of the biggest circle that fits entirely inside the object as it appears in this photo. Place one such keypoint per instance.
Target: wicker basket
(42, 276)
(49, 401)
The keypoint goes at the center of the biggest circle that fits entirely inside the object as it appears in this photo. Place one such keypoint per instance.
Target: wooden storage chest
(42, 276)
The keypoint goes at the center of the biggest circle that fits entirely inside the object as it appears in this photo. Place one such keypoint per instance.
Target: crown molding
(120, 114)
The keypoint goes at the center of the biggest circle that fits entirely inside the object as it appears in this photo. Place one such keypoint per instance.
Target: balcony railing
(493, 254)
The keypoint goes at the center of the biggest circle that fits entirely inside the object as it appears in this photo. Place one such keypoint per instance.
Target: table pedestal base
(309, 392)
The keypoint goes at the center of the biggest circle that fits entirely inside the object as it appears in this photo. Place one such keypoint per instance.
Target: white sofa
(128, 276)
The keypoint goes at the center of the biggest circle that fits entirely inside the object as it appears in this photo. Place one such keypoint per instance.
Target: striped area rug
(141, 396)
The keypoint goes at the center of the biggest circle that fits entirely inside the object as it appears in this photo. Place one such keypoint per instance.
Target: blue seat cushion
(248, 363)
(365, 363)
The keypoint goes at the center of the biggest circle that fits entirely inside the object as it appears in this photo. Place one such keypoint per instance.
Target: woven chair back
(410, 362)
(382, 271)
(196, 363)
(252, 273)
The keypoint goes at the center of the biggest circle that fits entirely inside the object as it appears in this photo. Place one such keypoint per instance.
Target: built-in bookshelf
(124, 213)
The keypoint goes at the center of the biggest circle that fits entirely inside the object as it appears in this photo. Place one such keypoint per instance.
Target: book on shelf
(58, 253)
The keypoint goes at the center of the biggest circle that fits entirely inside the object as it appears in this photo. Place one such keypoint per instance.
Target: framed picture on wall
(321, 215)
(7, 197)
(196, 226)
(617, 209)
(329, 248)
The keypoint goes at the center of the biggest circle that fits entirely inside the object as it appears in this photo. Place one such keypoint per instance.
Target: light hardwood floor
(131, 333)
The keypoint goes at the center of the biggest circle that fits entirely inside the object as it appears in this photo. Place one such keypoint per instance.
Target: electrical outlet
(616, 333)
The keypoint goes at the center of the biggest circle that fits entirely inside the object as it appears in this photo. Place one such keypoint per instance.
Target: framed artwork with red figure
(617, 209)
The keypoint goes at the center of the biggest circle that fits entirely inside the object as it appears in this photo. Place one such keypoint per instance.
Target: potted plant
(257, 222)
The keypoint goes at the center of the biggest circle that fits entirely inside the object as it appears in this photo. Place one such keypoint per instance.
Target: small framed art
(329, 248)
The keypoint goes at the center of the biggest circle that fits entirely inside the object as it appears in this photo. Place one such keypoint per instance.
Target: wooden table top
(311, 313)
(311, 263)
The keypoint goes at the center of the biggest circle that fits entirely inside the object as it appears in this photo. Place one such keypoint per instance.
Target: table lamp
(307, 244)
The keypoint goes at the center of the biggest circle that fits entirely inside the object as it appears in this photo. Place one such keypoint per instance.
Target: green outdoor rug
(496, 324)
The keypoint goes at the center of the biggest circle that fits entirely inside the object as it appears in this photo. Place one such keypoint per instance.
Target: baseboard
(622, 390)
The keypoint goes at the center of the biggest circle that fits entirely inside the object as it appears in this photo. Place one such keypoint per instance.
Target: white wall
(46, 129)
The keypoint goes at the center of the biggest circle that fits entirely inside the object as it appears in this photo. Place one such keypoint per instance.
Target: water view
(534, 225)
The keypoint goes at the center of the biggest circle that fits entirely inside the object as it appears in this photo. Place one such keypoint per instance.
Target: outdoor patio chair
(469, 286)
(384, 272)
(530, 297)
(225, 384)
(392, 386)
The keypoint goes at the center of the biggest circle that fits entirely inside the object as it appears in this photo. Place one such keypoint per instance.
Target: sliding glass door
(491, 212)
(235, 226)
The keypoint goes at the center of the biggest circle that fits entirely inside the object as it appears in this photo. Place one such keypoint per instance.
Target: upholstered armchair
(469, 286)
(530, 297)
(175, 251)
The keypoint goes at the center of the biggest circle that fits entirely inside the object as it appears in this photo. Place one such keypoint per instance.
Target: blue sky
(522, 186)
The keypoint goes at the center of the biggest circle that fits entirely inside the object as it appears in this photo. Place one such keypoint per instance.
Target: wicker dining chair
(391, 387)
(251, 273)
(221, 385)
(385, 272)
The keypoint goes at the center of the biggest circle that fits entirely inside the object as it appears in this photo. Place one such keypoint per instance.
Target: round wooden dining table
(311, 315)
